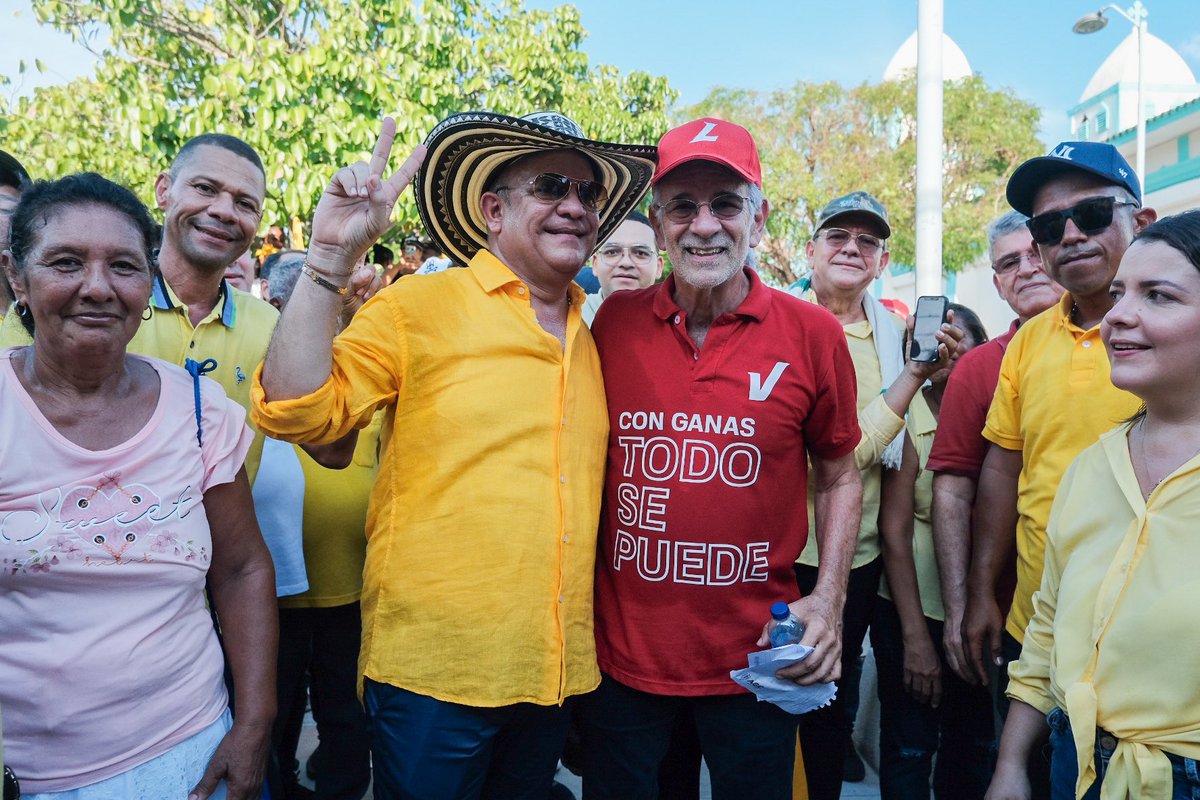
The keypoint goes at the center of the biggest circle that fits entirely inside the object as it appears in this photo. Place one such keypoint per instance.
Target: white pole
(1139, 12)
(929, 147)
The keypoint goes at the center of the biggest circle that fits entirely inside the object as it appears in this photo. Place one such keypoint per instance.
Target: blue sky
(1025, 45)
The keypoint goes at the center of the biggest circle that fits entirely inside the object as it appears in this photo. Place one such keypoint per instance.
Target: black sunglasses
(549, 187)
(1090, 216)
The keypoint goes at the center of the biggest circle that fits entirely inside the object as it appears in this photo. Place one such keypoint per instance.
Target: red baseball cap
(710, 139)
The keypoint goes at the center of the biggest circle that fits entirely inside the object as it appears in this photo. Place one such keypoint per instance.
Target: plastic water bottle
(784, 628)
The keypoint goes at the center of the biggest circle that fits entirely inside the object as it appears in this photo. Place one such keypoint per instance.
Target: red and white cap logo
(709, 139)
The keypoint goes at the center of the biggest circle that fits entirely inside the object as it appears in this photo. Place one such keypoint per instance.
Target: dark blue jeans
(427, 749)
(1064, 767)
(750, 747)
(960, 732)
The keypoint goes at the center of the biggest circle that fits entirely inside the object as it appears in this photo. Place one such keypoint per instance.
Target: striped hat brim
(464, 150)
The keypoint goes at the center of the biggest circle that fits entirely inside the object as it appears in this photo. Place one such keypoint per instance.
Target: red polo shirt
(705, 503)
(959, 446)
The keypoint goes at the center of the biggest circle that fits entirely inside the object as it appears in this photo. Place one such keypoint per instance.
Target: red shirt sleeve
(831, 429)
(959, 446)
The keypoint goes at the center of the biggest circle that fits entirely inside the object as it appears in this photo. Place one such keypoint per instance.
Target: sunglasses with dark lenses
(723, 206)
(1090, 216)
(550, 187)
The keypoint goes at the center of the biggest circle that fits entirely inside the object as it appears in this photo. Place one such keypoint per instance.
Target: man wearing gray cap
(1054, 397)
(481, 533)
(847, 253)
(13, 180)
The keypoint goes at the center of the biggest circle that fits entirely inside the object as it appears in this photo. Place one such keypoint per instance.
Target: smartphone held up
(931, 313)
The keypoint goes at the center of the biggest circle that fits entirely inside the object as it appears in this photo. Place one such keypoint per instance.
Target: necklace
(1146, 460)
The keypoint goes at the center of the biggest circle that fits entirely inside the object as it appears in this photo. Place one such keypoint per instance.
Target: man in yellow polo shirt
(212, 203)
(1054, 397)
(481, 531)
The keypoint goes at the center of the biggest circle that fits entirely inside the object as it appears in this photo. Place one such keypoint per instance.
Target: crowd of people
(485, 522)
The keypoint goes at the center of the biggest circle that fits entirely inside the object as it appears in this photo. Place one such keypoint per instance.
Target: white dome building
(1108, 104)
(954, 63)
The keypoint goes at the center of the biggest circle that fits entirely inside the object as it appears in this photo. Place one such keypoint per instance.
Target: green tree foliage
(820, 141)
(306, 81)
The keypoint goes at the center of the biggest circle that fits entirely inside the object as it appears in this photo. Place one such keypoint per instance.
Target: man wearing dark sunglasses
(1054, 397)
(718, 389)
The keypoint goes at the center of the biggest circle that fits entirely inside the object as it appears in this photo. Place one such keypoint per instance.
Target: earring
(147, 314)
(22, 310)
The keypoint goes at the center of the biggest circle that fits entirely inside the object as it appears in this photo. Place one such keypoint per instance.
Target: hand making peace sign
(356, 207)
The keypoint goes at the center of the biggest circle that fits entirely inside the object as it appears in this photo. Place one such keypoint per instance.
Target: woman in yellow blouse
(1110, 656)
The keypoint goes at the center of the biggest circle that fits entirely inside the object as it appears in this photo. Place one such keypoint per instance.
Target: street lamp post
(1136, 15)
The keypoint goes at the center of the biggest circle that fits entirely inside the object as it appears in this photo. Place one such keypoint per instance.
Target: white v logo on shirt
(760, 391)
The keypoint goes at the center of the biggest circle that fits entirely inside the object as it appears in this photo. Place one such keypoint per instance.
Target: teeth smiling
(705, 251)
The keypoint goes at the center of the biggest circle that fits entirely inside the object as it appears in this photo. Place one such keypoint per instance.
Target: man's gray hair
(1003, 225)
(283, 276)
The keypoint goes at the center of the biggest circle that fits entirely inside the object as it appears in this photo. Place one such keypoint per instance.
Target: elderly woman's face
(86, 279)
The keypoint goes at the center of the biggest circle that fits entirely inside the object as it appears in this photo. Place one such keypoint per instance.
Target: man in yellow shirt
(212, 203)
(848, 252)
(1054, 397)
(481, 532)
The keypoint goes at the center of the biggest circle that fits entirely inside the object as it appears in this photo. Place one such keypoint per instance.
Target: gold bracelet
(320, 281)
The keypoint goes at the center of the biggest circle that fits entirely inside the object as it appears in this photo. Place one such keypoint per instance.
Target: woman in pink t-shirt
(122, 494)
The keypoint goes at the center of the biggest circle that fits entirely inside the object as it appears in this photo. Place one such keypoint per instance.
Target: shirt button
(695, 356)
(1087, 344)
(564, 537)
(564, 422)
(676, 319)
(520, 290)
(193, 344)
(562, 478)
(560, 598)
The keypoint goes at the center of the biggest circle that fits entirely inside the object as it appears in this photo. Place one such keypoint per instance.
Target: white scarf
(889, 347)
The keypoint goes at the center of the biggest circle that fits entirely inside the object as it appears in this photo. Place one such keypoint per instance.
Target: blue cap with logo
(1095, 158)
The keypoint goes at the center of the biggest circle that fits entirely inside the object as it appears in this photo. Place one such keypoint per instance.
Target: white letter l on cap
(703, 135)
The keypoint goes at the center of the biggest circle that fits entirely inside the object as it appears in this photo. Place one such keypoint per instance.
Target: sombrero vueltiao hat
(465, 150)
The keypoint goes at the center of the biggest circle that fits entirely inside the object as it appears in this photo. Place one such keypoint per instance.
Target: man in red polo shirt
(719, 391)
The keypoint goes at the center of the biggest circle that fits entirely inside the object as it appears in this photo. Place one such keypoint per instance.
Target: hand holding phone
(930, 314)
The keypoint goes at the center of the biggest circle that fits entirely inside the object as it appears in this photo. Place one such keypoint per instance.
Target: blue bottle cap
(780, 611)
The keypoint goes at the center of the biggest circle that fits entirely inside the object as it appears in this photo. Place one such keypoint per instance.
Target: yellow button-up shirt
(1053, 399)
(481, 530)
(1112, 640)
